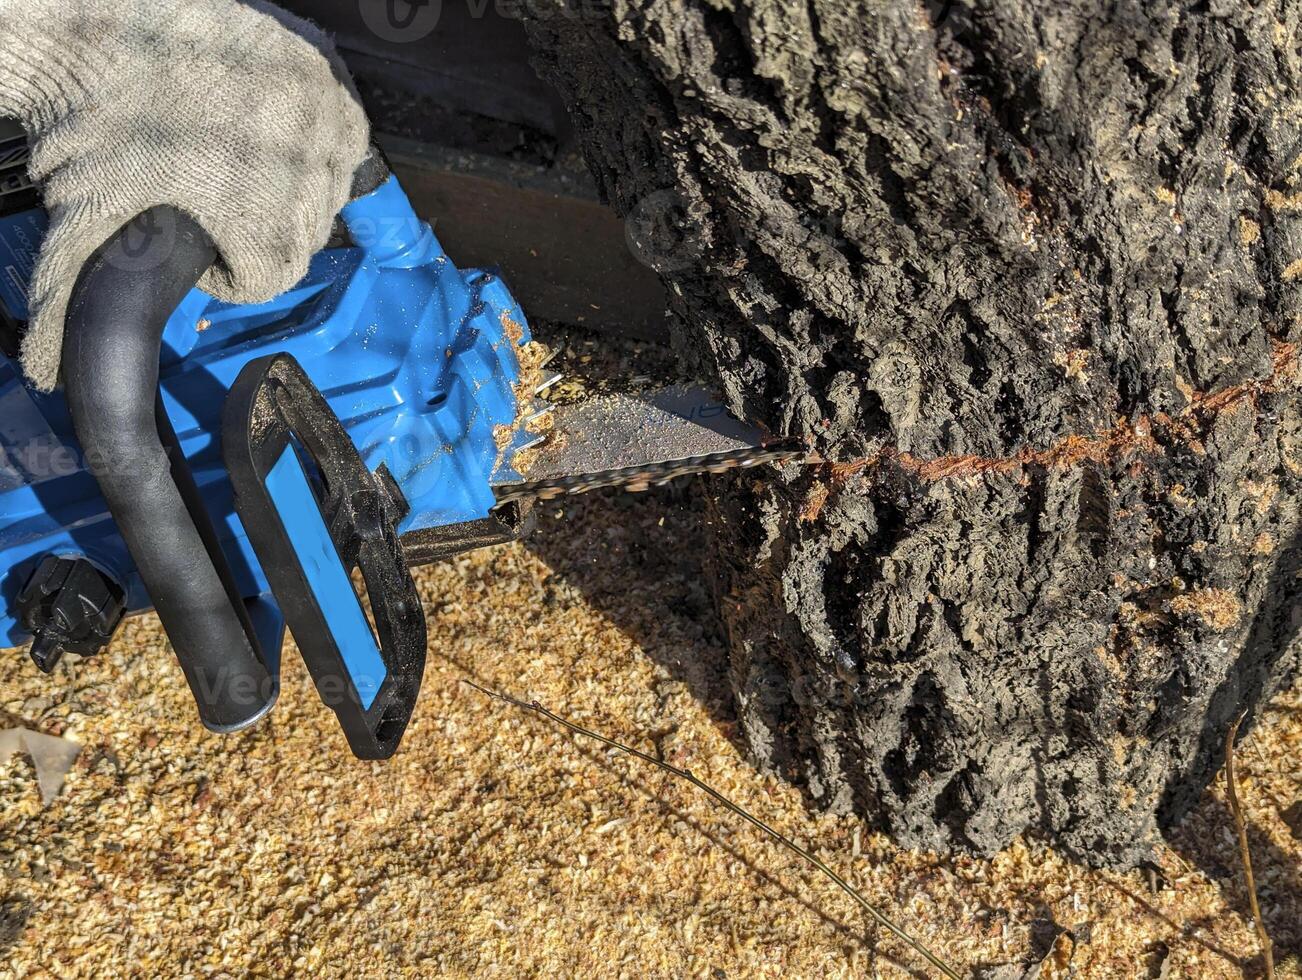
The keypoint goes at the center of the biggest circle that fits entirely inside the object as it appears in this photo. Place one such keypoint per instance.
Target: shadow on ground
(14, 913)
(1249, 681)
(1206, 844)
(642, 560)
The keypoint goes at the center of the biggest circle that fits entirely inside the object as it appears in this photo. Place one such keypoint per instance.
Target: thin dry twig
(1267, 949)
(719, 798)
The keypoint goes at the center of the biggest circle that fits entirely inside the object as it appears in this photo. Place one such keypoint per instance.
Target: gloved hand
(234, 112)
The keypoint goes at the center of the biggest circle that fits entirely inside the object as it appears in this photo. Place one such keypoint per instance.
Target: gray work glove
(234, 112)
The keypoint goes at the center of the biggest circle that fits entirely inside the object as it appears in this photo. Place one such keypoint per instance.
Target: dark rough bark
(1028, 275)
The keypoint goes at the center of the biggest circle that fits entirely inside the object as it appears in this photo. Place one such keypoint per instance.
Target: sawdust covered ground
(495, 845)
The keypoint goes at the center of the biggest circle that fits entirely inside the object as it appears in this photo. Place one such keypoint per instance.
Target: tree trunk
(1027, 275)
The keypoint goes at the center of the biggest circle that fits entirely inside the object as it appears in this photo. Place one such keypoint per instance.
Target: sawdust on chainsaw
(531, 358)
(495, 845)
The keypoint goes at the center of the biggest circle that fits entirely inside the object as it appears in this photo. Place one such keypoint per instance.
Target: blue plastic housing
(417, 358)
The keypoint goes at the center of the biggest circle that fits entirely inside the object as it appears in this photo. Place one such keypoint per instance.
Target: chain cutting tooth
(529, 444)
(550, 380)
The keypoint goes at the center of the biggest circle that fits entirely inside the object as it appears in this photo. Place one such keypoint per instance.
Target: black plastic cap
(69, 605)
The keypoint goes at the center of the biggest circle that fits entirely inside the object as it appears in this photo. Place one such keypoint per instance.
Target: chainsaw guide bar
(638, 441)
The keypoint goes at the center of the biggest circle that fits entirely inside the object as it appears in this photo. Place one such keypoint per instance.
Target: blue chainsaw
(243, 469)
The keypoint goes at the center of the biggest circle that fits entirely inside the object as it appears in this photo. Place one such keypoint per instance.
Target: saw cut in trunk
(1027, 277)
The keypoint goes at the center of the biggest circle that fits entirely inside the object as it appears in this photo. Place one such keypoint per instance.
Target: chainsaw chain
(638, 478)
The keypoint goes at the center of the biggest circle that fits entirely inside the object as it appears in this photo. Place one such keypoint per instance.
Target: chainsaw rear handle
(111, 347)
(111, 350)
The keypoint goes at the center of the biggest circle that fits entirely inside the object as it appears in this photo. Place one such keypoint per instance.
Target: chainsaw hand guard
(279, 438)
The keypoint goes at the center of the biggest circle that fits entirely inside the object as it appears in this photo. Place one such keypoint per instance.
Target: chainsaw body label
(20, 243)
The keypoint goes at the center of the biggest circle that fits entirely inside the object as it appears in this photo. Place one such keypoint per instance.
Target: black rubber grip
(111, 347)
(372, 173)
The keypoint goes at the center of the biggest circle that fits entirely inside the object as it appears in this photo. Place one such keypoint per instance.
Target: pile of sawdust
(497, 845)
